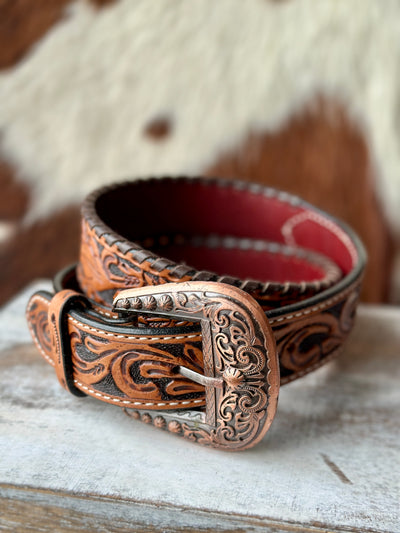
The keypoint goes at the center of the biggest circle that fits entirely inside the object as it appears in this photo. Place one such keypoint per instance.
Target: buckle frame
(241, 369)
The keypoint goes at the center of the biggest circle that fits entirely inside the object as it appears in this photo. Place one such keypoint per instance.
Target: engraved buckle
(241, 371)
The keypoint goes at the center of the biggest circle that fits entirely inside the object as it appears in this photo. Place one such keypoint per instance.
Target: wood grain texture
(27, 509)
(327, 464)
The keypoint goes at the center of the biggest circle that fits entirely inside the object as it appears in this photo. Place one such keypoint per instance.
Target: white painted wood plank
(330, 460)
(13, 327)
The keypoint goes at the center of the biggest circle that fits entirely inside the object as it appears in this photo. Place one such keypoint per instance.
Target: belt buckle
(241, 370)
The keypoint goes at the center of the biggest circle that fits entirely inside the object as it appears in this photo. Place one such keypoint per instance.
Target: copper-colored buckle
(241, 372)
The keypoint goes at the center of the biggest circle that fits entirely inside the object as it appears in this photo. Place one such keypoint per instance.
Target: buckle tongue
(241, 372)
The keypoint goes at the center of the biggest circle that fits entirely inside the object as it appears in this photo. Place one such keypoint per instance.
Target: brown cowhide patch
(25, 22)
(158, 129)
(322, 157)
(39, 251)
(14, 195)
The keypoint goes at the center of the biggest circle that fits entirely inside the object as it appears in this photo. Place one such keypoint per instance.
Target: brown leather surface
(105, 362)
(132, 363)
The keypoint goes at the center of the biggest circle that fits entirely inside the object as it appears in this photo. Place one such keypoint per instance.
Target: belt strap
(201, 259)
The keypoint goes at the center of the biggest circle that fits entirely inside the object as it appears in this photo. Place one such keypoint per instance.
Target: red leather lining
(199, 208)
(333, 242)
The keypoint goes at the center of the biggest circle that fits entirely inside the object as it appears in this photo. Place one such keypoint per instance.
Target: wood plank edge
(26, 508)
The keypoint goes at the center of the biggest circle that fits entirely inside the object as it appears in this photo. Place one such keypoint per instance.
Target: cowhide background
(303, 95)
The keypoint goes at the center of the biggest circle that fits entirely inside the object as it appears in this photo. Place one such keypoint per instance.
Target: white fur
(7, 231)
(72, 114)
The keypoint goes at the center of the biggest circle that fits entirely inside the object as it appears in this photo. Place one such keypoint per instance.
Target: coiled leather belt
(194, 299)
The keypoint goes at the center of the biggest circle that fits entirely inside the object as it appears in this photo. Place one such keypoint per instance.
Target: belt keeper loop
(60, 305)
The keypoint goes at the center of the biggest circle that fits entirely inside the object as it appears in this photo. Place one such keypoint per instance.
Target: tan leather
(303, 267)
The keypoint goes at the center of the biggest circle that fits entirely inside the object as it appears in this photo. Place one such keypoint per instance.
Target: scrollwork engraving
(243, 354)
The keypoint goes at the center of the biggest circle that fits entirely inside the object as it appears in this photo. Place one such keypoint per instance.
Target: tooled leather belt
(194, 299)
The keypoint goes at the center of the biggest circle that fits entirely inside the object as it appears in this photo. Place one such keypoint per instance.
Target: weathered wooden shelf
(330, 461)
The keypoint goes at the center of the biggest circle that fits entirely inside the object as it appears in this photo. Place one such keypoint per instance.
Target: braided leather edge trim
(133, 251)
